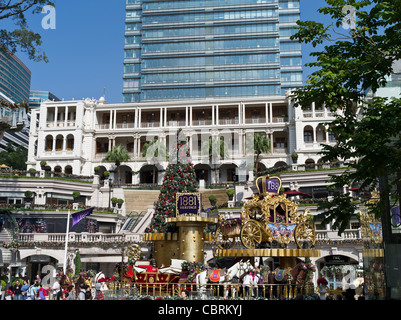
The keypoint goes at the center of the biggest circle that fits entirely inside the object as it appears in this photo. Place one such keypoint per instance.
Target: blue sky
(86, 53)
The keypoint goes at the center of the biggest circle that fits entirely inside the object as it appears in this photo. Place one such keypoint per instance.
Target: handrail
(134, 290)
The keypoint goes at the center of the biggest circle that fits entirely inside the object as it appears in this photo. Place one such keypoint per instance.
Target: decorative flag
(78, 216)
(395, 213)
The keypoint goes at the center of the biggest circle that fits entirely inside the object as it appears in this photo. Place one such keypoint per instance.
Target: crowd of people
(81, 287)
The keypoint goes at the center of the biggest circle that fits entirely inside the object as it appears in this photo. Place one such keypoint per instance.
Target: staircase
(139, 200)
(5, 236)
(5, 254)
(219, 193)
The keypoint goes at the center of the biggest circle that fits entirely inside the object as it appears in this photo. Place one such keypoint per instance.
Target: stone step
(139, 200)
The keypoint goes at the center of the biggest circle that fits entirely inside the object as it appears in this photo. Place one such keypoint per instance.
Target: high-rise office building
(36, 97)
(200, 49)
(15, 85)
(15, 77)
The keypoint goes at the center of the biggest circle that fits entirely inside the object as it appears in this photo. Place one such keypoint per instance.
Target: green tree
(23, 38)
(367, 130)
(154, 151)
(14, 157)
(78, 264)
(260, 145)
(117, 155)
(216, 149)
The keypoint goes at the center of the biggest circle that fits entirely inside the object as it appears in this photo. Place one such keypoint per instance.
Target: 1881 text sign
(188, 204)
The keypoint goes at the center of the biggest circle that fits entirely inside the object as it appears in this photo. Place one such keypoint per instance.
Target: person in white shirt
(56, 287)
(247, 283)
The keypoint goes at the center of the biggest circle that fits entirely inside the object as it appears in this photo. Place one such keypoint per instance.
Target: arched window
(308, 134)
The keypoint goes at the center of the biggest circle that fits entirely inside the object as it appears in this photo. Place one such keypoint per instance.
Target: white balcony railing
(78, 237)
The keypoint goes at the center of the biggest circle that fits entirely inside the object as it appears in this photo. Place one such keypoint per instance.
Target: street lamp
(109, 193)
(235, 192)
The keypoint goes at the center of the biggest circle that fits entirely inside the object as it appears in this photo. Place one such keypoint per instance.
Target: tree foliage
(352, 63)
(117, 155)
(14, 157)
(22, 38)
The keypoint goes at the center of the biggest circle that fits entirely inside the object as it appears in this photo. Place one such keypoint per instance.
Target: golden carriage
(268, 219)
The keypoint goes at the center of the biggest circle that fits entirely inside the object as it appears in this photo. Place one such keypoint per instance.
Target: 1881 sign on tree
(188, 204)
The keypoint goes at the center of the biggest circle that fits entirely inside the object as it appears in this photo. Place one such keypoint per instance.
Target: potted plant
(76, 195)
(230, 193)
(32, 172)
(96, 169)
(120, 203)
(114, 201)
(106, 174)
(43, 164)
(213, 200)
(294, 157)
(28, 196)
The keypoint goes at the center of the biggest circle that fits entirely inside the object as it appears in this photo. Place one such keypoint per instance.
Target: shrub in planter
(43, 164)
(230, 193)
(120, 202)
(28, 195)
(114, 201)
(106, 174)
(294, 157)
(96, 169)
(213, 200)
(76, 195)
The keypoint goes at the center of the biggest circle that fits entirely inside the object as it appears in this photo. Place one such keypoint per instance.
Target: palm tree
(215, 148)
(154, 151)
(261, 144)
(117, 155)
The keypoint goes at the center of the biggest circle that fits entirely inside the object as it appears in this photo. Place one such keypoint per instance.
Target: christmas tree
(179, 177)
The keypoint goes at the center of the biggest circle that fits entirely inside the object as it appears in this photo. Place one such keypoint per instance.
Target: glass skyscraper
(200, 49)
(15, 77)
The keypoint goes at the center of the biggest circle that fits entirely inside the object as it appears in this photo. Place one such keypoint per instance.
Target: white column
(55, 116)
(266, 113)
(190, 116)
(66, 117)
(217, 114)
(161, 117)
(165, 116)
(239, 114)
(111, 120)
(271, 112)
(213, 117)
(186, 116)
(115, 119)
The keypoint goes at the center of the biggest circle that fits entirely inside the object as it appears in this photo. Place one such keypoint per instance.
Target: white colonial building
(73, 137)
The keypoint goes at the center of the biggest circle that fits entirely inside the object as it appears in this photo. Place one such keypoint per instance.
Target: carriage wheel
(251, 235)
(305, 236)
(223, 241)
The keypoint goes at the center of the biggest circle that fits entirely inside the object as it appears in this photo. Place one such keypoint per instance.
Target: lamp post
(235, 192)
(109, 193)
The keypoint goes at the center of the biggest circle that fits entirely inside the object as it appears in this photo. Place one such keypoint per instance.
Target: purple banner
(78, 216)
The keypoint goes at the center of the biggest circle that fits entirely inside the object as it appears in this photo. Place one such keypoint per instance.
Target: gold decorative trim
(160, 236)
(373, 252)
(191, 219)
(268, 253)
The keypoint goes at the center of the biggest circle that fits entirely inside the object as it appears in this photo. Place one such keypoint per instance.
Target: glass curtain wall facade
(199, 49)
(15, 77)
